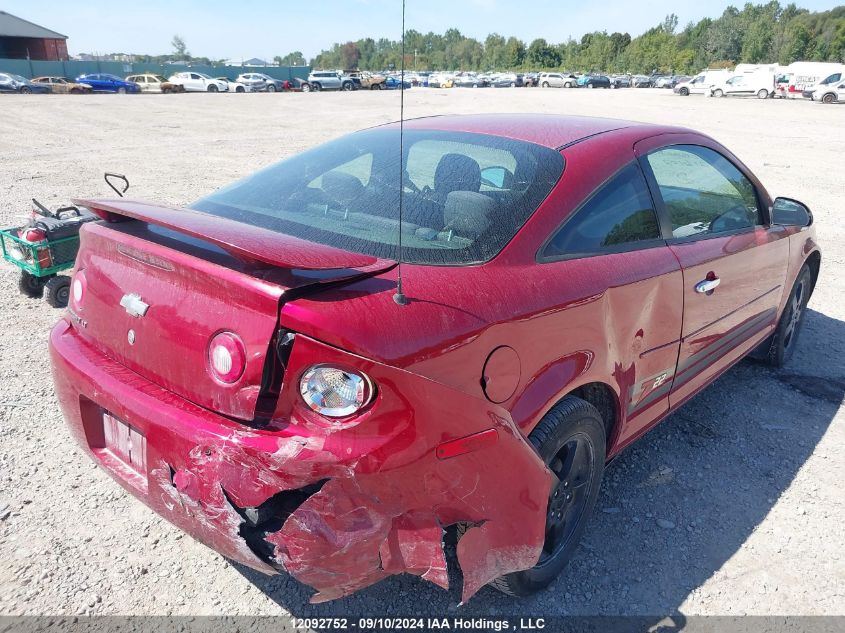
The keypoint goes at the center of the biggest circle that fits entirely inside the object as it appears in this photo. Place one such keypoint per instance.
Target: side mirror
(789, 212)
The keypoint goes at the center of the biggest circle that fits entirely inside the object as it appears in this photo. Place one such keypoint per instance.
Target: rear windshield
(464, 195)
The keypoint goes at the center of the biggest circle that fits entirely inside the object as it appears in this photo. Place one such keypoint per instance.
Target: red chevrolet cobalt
(248, 367)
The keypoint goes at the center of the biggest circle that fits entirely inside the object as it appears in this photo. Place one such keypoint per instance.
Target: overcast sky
(264, 28)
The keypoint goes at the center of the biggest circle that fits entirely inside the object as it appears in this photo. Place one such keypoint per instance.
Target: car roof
(551, 130)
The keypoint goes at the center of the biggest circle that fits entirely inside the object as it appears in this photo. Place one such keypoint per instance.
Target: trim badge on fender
(133, 305)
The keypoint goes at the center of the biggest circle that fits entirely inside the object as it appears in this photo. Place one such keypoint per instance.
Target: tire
(828, 98)
(684, 92)
(240, 89)
(212, 88)
(513, 84)
(121, 91)
(781, 345)
(762, 93)
(545, 84)
(374, 87)
(475, 85)
(25, 90)
(306, 87)
(271, 88)
(568, 84)
(590, 86)
(346, 86)
(75, 91)
(718, 93)
(31, 285)
(317, 87)
(58, 291)
(571, 423)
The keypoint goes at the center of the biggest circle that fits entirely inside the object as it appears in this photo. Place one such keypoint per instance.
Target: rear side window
(619, 215)
(703, 191)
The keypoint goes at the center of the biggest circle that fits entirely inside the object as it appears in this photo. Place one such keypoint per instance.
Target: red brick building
(20, 39)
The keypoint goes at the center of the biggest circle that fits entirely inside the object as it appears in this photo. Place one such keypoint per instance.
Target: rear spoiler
(251, 244)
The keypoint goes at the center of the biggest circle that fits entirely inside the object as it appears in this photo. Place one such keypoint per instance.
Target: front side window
(464, 196)
(619, 214)
(703, 191)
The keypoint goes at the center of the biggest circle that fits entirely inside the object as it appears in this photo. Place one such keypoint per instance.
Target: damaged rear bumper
(339, 508)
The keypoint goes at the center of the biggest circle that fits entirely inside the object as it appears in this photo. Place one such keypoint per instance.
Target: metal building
(20, 39)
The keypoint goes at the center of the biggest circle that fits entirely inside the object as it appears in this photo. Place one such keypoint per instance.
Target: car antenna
(400, 297)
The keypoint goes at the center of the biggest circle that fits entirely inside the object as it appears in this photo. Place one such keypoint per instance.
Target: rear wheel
(545, 84)
(571, 442)
(58, 291)
(347, 86)
(31, 285)
(829, 98)
(762, 93)
(25, 90)
(782, 342)
(240, 89)
(306, 87)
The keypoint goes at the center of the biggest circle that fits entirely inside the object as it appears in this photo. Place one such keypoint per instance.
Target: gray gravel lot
(733, 505)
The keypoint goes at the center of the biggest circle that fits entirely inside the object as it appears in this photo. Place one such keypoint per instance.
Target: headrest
(468, 213)
(456, 172)
(342, 187)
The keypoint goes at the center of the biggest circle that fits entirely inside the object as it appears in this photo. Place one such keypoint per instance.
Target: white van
(700, 84)
(760, 84)
(805, 76)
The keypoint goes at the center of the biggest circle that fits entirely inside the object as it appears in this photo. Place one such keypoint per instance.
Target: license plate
(128, 446)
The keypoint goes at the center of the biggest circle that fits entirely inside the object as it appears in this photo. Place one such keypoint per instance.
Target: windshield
(18, 78)
(465, 195)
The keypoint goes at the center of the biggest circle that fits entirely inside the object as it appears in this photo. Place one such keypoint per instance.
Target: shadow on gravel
(674, 508)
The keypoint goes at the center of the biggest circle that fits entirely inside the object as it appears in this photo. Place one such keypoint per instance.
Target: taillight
(226, 357)
(335, 392)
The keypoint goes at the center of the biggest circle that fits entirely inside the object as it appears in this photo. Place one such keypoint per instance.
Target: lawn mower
(47, 245)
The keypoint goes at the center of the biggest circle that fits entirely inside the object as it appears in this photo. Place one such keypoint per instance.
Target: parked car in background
(10, 82)
(368, 80)
(198, 82)
(155, 83)
(507, 80)
(759, 84)
(471, 81)
(276, 403)
(830, 93)
(332, 80)
(662, 81)
(394, 83)
(104, 82)
(831, 79)
(700, 84)
(557, 80)
(437, 80)
(641, 81)
(593, 81)
(620, 81)
(259, 82)
(531, 80)
(62, 85)
(234, 86)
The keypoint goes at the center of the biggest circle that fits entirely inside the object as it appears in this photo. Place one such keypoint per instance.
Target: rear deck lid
(199, 276)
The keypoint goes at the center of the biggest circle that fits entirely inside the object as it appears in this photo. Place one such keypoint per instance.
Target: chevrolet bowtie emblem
(133, 305)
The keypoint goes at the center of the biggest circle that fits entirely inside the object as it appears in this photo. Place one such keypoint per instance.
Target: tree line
(754, 34)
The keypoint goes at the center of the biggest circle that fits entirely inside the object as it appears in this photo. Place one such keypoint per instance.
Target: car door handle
(708, 285)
